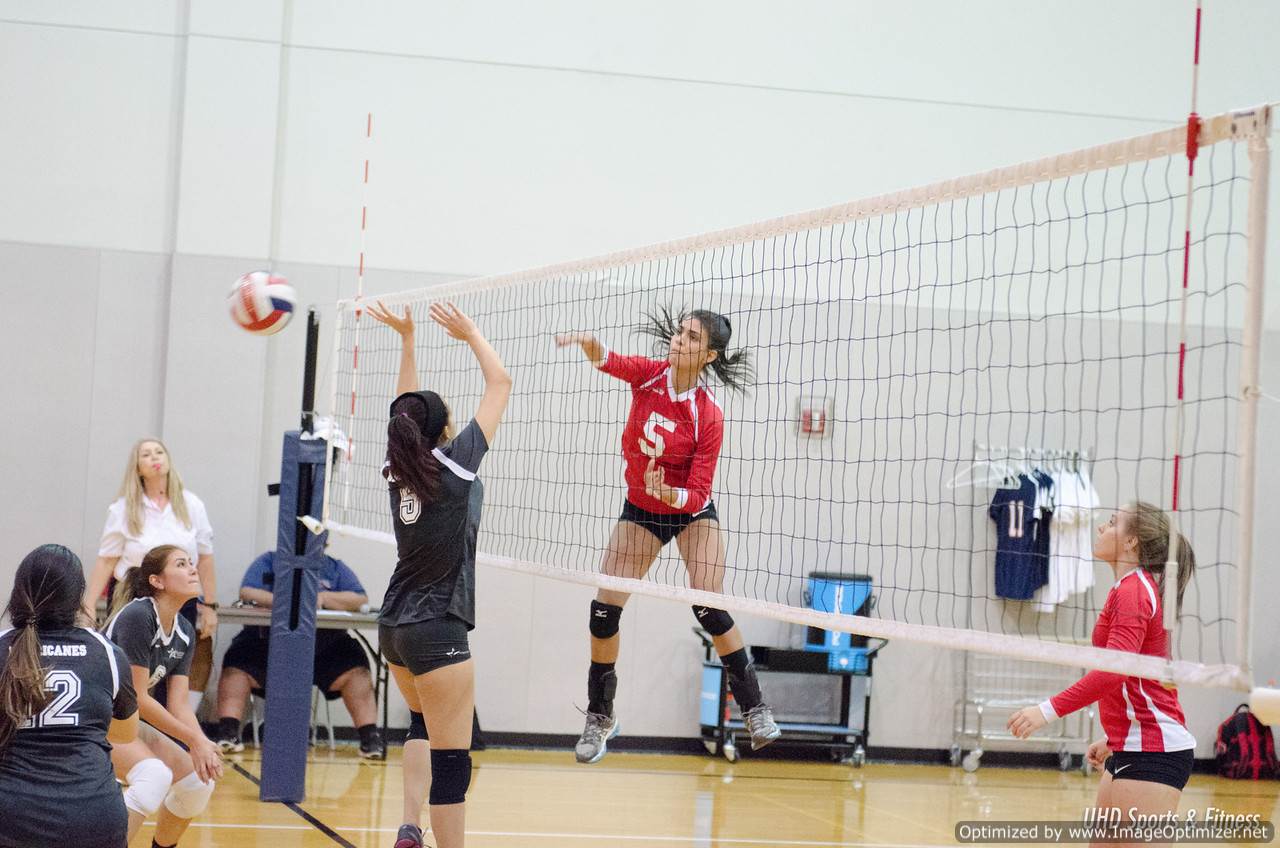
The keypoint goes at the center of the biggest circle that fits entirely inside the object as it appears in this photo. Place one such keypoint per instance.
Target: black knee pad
(450, 776)
(604, 620)
(417, 727)
(714, 621)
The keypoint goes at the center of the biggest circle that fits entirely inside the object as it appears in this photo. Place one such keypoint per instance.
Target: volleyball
(261, 302)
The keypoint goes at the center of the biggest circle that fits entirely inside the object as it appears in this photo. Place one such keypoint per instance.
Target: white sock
(194, 698)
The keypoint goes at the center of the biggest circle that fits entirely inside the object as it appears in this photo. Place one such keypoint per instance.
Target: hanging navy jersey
(1021, 568)
(56, 781)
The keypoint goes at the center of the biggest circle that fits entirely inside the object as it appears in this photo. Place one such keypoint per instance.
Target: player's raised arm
(497, 381)
(591, 346)
(403, 325)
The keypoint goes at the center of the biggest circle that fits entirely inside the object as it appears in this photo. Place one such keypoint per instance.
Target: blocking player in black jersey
(429, 606)
(65, 698)
(159, 645)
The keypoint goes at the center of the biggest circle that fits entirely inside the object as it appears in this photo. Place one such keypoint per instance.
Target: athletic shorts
(1172, 768)
(665, 527)
(425, 646)
(336, 654)
(89, 814)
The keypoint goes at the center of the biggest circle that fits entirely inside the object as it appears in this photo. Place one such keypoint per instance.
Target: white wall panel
(85, 158)
(228, 149)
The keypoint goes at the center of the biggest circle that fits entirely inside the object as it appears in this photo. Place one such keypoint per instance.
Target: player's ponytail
(1151, 526)
(418, 422)
(46, 596)
(733, 369)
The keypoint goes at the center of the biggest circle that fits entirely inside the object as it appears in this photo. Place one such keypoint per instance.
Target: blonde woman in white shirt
(153, 508)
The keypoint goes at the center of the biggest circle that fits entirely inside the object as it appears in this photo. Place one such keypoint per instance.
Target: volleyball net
(918, 356)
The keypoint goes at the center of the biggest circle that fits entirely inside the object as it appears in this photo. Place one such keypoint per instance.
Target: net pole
(1170, 601)
(1250, 386)
(309, 372)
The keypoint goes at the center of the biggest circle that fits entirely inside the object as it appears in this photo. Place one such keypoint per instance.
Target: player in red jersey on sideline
(670, 444)
(1148, 751)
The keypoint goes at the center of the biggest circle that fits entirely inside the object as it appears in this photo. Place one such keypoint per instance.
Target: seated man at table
(341, 666)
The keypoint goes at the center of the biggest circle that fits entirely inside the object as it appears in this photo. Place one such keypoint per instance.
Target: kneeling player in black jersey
(163, 775)
(429, 606)
(65, 698)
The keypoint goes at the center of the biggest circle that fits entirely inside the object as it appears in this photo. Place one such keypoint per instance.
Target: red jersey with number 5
(682, 432)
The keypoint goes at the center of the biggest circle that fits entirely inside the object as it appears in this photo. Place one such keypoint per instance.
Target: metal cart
(832, 693)
(994, 688)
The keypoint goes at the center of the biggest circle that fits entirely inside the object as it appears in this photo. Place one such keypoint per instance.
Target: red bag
(1245, 748)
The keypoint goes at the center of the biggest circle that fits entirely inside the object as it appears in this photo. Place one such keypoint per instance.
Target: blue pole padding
(299, 558)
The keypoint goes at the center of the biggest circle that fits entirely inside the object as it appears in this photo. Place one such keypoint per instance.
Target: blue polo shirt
(335, 576)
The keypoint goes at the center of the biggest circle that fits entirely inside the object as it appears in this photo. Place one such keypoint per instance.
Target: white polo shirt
(159, 527)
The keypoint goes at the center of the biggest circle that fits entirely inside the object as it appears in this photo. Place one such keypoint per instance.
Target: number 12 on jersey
(66, 686)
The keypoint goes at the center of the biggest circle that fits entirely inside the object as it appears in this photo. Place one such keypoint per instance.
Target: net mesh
(1029, 314)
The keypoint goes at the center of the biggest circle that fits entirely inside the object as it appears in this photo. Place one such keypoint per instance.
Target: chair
(257, 716)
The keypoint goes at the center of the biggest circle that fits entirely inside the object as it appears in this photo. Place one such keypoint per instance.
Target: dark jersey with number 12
(56, 782)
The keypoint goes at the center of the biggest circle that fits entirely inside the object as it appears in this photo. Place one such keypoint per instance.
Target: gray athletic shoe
(409, 836)
(595, 737)
(761, 726)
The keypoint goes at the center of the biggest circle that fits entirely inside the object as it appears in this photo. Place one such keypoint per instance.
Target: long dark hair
(138, 583)
(46, 596)
(409, 458)
(1150, 524)
(734, 370)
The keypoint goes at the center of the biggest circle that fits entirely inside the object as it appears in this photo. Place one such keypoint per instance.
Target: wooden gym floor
(524, 798)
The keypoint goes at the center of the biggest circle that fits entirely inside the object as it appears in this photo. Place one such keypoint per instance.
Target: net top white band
(1240, 125)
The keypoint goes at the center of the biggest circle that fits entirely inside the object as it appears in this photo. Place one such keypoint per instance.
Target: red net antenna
(355, 351)
(1170, 600)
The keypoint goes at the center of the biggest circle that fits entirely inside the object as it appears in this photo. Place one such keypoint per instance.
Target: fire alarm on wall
(814, 418)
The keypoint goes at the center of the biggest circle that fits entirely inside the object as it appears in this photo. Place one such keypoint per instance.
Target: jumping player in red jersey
(670, 444)
(1148, 752)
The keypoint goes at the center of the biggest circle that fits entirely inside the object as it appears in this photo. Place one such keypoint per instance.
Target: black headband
(426, 409)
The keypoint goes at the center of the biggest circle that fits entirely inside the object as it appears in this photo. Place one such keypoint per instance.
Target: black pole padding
(309, 372)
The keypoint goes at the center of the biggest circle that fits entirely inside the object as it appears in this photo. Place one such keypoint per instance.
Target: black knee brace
(450, 776)
(714, 621)
(417, 727)
(604, 620)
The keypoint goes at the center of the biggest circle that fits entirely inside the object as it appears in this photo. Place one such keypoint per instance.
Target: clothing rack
(995, 687)
(1076, 458)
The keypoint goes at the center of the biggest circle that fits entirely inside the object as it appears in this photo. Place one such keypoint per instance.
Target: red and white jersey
(1136, 714)
(681, 431)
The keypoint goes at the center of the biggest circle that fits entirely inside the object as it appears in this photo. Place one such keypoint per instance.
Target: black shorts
(665, 527)
(90, 814)
(425, 646)
(1172, 768)
(336, 654)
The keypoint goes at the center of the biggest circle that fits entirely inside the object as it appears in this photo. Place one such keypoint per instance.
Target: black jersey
(56, 781)
(136, 629)
(436, 543)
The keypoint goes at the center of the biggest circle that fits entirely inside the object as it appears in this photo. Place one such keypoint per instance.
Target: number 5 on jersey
(410, 507)
(652, 444)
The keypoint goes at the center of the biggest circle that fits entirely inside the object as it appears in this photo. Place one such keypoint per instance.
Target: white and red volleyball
(261, 302)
